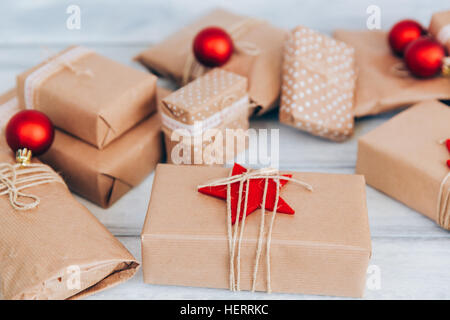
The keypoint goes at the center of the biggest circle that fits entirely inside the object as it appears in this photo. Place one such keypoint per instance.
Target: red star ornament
(255, 195)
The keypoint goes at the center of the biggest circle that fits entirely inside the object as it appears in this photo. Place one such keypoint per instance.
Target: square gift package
(263, 70)
(324, 248)
(379, 87)
(101, 176)
(318, 84)
(406, 159)
(57, 250)
(88, 95)
(197, 118)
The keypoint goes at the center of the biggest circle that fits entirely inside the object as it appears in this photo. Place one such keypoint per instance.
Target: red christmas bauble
(424, 57)
(403, 33)
(213, 47)
(30, 129)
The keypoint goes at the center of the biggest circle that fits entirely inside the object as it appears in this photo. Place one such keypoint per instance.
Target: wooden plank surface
(412, 253)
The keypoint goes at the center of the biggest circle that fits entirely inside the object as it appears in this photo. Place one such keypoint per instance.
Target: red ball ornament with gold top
(213, 47)
(29, 132)
(424, 57)
(403, 33)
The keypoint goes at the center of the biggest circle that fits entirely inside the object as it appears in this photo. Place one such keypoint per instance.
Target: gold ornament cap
(23, 156)
(446, 67)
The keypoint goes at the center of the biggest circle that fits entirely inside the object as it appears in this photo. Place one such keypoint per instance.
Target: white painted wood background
(412, 253)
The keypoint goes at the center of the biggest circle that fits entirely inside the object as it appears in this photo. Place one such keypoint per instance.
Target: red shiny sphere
(403, 33)
(424, 56)
(30, 129)
(213, 47)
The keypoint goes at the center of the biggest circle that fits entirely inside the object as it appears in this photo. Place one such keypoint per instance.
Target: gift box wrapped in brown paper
(57, 250)
(318, 85)
(406, 159)
(380, 87)
(103, 176)
(440, 28)
(324, 248)
(262, 67)
(90, 96)
(198, 116)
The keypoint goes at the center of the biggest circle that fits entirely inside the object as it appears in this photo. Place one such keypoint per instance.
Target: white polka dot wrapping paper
(318, 84)
(216, 100)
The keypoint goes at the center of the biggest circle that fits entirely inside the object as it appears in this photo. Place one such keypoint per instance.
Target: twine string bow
(14, 178)
(235, 236)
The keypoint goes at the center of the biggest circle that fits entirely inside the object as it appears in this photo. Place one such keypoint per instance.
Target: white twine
(14, 178)
(244, 178)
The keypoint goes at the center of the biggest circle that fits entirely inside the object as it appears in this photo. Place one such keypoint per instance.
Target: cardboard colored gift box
(324, 248)
(101, 176)
(90, 96)
(440, 28)
(263, 70)
(196, 117)
(379, 85)
(318, 84)
(405, 159)
(57, 250)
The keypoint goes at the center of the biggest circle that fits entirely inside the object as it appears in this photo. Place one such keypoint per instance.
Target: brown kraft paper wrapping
(323, 249)
(101, 176)
(216, 100)
(440, 28)
(92, 97)
(378, 87)
(263, 71)
(40, 247)
(318, 85)
(403, 157)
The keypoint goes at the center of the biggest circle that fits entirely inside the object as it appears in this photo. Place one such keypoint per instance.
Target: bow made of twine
(443, 200)
(14, 178)
(235, 252)
(193, 69)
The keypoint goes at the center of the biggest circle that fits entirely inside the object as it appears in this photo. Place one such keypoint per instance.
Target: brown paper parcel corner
(41, 250)
(323, 249)
(97, 108)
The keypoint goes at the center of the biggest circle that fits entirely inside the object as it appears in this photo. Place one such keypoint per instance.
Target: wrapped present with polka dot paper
(206, 121)
(318, 85)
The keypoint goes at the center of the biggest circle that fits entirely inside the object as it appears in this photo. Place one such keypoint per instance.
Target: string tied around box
(235, 234)
(49, 68)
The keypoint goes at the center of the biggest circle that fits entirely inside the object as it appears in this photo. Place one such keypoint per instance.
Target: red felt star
(255, 194)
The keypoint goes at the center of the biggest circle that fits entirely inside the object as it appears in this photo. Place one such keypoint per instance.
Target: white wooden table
(412, 253)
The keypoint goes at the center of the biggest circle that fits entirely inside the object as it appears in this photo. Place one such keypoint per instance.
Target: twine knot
(14, 178)
(245, 177)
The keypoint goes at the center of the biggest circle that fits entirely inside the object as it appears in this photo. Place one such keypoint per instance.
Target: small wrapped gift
(102, 176)
(88, 95)
(380, 87)
(318, 242)
(406, 159)
(318, 84)
(196, 118)
(170, 58)
(58, 249)
(440, 28)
